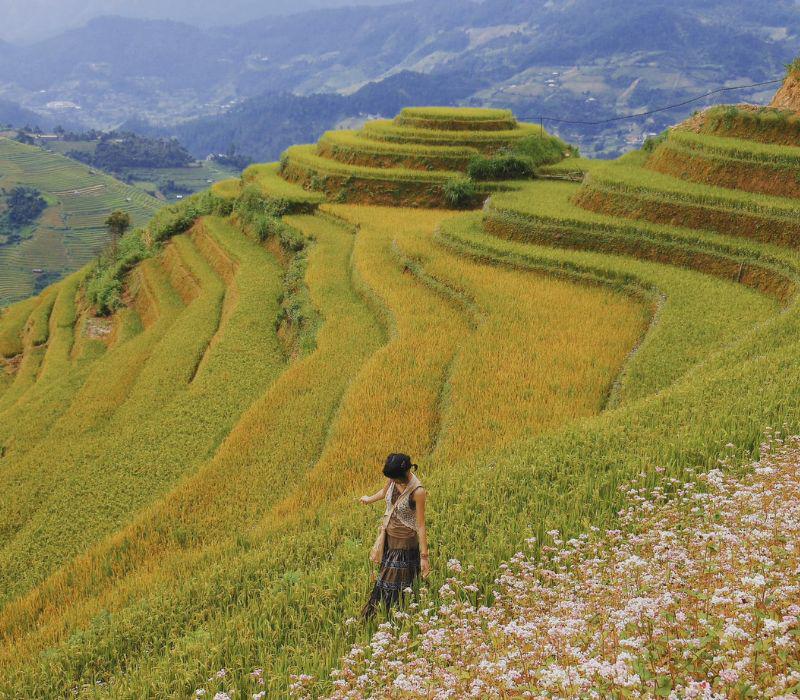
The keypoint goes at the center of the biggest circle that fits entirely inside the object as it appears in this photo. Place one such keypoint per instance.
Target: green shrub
(179, 218)
(543, 150)
(505, 166)
(459, 193)
(290, 238)
(793, 68)
(652, 142)
(297, 311)
(105, 281)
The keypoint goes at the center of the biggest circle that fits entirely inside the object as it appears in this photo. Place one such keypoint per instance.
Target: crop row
(635, 192)
(353, 148)
(289, 561)
(762, 124)
(350, 183)
(730, 163)
(286, 196)
(485, 141)
(456, 119)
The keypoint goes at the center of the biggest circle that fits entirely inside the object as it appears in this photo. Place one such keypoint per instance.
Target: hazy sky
(28, 20)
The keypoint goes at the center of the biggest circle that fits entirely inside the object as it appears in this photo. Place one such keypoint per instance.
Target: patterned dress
(400, 564)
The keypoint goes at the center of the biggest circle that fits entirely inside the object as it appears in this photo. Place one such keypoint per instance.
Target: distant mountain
(264, 126)
(33, 20)
(12, 114)
(572, 59)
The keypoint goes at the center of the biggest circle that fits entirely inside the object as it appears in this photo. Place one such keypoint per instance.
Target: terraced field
(180, 491)
(193, 178)
(412, 159)
(71, 231)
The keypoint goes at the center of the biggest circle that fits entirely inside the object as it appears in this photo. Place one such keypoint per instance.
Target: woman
(405, 540)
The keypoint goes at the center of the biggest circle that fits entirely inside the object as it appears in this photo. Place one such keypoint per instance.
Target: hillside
(188, 423)
(71, 230)
(718, 535)
(577, 60)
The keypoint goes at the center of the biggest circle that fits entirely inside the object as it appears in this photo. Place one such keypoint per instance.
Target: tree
(117, 223)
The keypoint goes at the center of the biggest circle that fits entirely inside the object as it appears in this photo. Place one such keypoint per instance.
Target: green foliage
(504, 166)
(793, 68)
(759, 124)
(24, 204)
(652, 142)
(117, 151)
(105, 282)
(118, 222)
(71, 231)
(290, 238)
(179, 218)
(297, 312)
(543, 149)
(459, 193)
(106, 278)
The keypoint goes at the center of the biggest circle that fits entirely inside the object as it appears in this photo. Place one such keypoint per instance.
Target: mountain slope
(179, 493)
(579, 60)
(71, 230)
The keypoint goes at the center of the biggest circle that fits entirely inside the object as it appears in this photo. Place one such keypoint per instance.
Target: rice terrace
(583, 357)
(70, 232)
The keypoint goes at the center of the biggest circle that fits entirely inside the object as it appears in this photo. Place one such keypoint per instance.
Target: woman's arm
(420, 498)
(377, 496)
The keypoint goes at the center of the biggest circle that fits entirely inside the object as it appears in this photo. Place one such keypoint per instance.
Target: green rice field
(71, 231)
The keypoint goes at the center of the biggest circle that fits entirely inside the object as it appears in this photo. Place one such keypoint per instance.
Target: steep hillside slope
(273, 82)
(179, 479)
(71, 230)
(788, 97)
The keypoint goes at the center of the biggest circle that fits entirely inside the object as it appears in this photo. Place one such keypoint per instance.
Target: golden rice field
(180, 478)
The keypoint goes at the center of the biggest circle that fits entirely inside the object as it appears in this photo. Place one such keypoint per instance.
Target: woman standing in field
(402, 545)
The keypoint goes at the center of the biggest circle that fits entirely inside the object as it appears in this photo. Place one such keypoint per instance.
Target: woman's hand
(425, 566)
(365, 500)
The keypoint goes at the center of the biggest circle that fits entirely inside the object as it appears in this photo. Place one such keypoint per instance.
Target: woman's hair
(397, 466)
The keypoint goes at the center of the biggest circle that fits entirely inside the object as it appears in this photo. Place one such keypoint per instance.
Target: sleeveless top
(403, 512)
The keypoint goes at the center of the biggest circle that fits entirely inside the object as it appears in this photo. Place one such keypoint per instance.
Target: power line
(542, 118)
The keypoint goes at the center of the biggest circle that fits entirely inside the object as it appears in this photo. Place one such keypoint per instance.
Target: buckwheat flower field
(696, 594)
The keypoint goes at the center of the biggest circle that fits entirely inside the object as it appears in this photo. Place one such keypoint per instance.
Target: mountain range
(32, 20)
(571, 59)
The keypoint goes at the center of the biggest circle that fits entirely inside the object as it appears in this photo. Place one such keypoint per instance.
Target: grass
(472, 114)
(532, 357)
(420, 159)
(13, 321)
(349, 183)
(521, 332)
(485, 141)
(457, 118)
(227, 189)
(287, 197)
(307, 156)
(547, 213)
(626, 189)
(353, 148)
(693, 310)
(760, 124)
(182, 381)
(730, 163)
